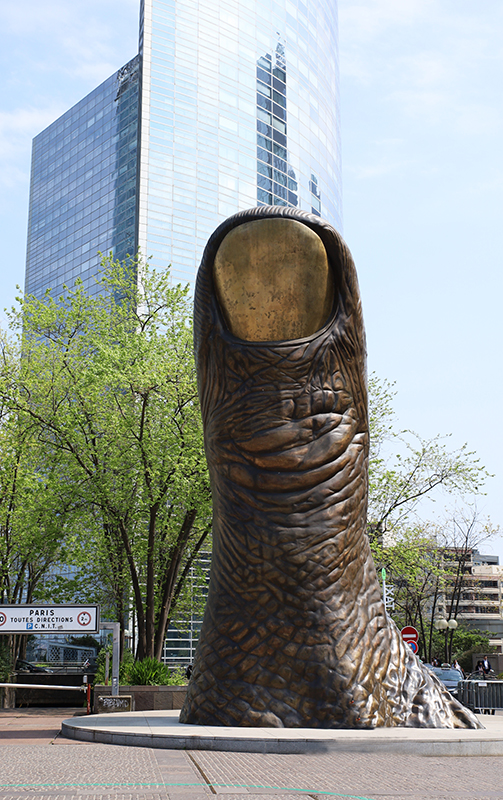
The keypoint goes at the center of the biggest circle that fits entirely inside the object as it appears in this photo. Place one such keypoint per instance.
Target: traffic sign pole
(383, 576)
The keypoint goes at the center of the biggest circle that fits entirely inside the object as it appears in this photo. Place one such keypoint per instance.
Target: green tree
(430, 569)
(109, 383)
(459, 539)
(414, 567)
(406, 469)
(33, 517)
(466, 642)
(426, 561)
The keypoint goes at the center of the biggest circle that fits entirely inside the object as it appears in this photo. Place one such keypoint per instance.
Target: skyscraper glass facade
(239, 108)
(83, 194)
(230, 104)
(276, 179)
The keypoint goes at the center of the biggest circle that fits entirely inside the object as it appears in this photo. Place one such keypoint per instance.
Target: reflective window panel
(83, 193)
(240, 107)
(230, 104)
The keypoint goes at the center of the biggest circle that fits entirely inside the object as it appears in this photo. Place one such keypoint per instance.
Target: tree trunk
(140, 616)
(150, 604)
(168, 585)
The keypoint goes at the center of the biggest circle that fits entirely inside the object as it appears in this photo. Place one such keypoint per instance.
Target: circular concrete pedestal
(162, 729)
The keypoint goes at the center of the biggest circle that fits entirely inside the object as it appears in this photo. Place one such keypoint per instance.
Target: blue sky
(422, 119)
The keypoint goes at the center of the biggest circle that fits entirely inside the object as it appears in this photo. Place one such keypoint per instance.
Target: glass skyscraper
(229, 104)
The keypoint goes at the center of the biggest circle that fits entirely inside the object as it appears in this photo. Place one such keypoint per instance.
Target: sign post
(115, 628)
(62, 619)
(388, 593)
(389, 598)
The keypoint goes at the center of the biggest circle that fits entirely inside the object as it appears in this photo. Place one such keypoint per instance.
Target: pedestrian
(486, 665)
(455, 665)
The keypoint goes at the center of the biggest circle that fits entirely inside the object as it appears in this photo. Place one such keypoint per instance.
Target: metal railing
(86, 687)
(82, 688)
(479, 695)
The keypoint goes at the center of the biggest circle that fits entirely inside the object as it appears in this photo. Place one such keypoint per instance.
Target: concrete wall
(147, 698)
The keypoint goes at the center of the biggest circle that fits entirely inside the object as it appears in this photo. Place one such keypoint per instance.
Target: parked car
(27, 666)
(450, 677)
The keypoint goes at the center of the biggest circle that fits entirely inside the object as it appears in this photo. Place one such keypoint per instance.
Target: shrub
(151, 672)
(177, 677)
(5, 660)
(148, 672)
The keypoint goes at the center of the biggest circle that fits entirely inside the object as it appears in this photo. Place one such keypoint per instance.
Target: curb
(166, 732)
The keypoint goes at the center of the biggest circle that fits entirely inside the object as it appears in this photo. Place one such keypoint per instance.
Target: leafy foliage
(126, 663)
(33, 513)
(107, 383)
(147, 672)
(426, 561)
(405, 469)
(104, 492)
(6, 660)
(466, 642)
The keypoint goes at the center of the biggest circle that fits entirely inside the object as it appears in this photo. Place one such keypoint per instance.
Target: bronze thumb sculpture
(295, 633)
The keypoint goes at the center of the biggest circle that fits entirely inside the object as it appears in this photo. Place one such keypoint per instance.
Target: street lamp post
(446, 625)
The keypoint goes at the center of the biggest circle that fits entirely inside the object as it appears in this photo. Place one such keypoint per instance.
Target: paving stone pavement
(359, 775)
(33, 725)
(61, 769)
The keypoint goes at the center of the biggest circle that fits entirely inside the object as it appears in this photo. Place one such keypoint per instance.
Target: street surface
(36, 763)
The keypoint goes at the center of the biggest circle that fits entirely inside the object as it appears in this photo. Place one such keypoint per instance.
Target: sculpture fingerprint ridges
(295, 633)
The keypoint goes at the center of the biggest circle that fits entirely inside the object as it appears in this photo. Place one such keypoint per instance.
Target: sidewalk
(41, 768)
(33, 725)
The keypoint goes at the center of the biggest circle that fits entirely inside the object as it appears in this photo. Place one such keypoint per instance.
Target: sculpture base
(161, 729)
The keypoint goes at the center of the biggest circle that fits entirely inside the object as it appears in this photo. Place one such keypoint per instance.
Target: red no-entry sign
(409, 634)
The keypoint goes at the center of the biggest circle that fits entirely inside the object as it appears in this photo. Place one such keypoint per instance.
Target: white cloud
(57, 52)
(80, 38)
(53, 53)
(434, 63)
(367, 19)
